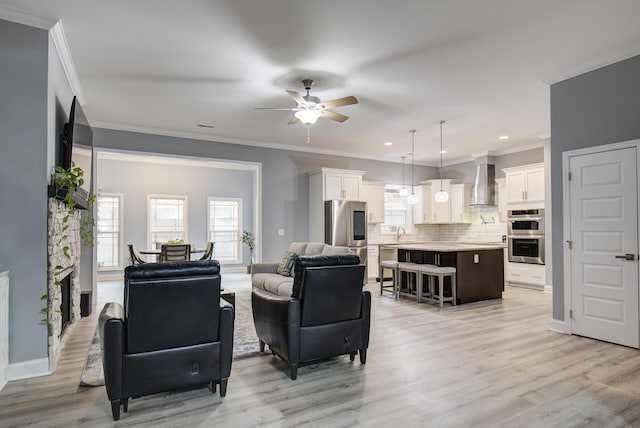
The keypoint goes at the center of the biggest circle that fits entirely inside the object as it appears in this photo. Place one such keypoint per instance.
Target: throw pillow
(287, 263)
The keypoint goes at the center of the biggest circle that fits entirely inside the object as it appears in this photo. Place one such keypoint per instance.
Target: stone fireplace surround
(55, 256)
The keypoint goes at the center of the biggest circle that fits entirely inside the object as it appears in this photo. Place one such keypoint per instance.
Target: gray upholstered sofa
(264, 275)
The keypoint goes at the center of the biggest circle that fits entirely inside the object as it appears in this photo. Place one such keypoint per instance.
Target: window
(167, 219)
(397, 213)
(224, 225)
(109, 230)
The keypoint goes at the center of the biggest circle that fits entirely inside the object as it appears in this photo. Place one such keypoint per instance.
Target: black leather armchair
(327, 315)
(174, 331)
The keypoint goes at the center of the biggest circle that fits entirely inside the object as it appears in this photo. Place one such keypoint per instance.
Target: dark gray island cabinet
(479, 267)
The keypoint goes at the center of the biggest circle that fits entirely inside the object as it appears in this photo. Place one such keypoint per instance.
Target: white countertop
(443, 246)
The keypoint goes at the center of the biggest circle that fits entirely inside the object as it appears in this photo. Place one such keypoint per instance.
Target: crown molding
(62, 49)
(31, 19)
(228, 140)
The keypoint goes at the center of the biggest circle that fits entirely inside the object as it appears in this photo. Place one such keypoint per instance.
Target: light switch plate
(476, 258)
(280, 232)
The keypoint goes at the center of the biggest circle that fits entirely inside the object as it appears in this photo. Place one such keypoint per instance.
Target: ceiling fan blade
(340, 102)
(293, 120)
(275, 108)
(297, 97)
(334, 116)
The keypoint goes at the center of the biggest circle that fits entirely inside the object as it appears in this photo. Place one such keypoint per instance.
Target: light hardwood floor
(494, 364)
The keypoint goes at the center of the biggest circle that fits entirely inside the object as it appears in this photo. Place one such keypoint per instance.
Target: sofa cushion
(273, 283)
(286, 264)
(298, 248)
(330, 250)
(314, 248)
(303, 262)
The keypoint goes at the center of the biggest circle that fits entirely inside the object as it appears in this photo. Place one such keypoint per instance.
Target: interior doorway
(601, 230)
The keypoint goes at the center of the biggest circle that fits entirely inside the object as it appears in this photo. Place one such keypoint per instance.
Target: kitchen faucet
(398, 234)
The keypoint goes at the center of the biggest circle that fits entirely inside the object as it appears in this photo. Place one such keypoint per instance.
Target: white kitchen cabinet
(326, 184)
(525, 184)
(526, 274)
(440, 211)
(373, 193)
(372, 262)
(455, 210)
(422, 210)
(501, 188)
(460, 197)
(342, 185)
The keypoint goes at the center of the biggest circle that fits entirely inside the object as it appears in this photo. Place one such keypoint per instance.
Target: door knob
(627, 256)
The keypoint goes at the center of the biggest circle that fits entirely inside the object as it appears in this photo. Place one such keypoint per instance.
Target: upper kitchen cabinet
(460, 197)
(326, 184)
(422, 210)
(373, 193)
(525, 184)
(455, 210)
(501, 199)
(337, 183)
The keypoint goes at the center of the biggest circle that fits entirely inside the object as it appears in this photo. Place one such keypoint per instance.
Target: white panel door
(604, 230)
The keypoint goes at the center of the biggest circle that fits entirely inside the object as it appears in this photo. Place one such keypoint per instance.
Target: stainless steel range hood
(484, 190)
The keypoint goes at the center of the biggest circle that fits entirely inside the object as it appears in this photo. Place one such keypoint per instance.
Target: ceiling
(484, 67)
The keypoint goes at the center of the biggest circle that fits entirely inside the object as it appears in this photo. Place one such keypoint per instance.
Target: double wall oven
(526, 236)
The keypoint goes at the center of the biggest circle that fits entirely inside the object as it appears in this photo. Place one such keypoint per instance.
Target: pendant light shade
(404, 191)
(441, 195)
(412, 199)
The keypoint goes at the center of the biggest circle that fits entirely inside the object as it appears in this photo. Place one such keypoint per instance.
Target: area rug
(245, 342)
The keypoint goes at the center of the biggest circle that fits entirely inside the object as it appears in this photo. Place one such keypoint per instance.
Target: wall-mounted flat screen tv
(76, 142)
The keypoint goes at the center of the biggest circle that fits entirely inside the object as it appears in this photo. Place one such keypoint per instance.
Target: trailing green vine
(66, 183)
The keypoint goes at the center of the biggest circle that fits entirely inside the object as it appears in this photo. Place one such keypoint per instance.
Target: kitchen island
(479, 267)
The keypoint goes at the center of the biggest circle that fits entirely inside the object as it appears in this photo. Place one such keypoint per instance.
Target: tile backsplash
(485, 227)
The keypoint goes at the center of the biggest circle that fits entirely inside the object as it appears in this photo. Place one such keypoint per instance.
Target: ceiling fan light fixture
(308, 117)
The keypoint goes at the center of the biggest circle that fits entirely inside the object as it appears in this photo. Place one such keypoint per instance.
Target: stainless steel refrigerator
(345, 224)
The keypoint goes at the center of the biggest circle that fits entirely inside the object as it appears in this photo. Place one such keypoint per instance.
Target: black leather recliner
(327, 315)
(174, 331)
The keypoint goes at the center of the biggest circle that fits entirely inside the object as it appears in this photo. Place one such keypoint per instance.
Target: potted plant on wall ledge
(249, 238)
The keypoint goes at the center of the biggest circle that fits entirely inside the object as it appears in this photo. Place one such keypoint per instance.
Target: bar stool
(392, 265)
(410, 269)
(440, 272)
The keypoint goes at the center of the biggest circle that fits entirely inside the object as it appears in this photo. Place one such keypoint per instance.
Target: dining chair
(134, 256)
(175, 252)
(208, 252)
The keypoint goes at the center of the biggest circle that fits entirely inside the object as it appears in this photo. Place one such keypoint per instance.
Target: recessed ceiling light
(200, 125)
(388, 143)
(503, 137)
(443, 151)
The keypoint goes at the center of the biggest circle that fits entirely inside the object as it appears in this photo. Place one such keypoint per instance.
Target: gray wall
(285, 184)
(138, 179)
(466, 172)
(24, 176)
(596, 108)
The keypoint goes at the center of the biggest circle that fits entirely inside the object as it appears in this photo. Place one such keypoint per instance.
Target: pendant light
(441, 195)
(412, 199)
(404, 191)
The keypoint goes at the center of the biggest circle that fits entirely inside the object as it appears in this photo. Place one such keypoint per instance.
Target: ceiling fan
(309, 109)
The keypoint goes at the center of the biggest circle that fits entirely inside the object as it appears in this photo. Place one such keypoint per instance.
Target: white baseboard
(548, 289)
(558, 326)
(28, 369)
(238, 269)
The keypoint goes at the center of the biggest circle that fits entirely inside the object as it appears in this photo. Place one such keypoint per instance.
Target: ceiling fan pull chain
(308, 136)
